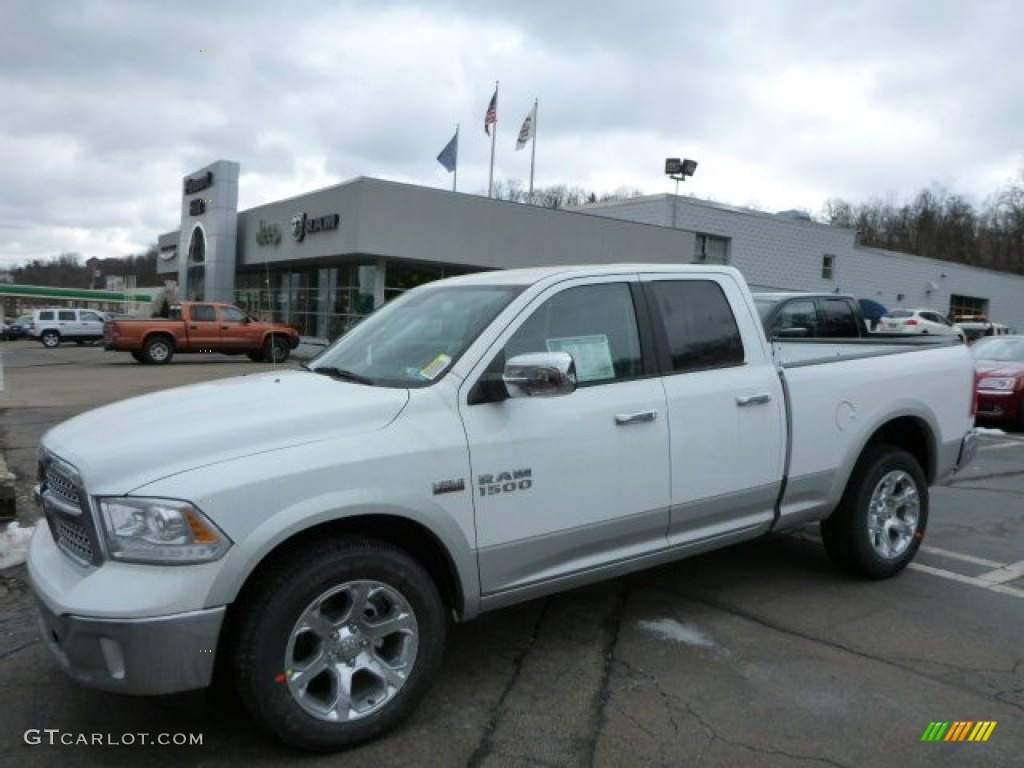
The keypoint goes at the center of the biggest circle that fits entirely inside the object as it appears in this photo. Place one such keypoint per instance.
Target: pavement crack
(486, 746)
(611, 626)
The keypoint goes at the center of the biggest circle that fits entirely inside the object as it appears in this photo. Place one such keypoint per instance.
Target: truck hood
(122, 446)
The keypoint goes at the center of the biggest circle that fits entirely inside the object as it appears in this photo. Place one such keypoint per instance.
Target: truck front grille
(61, 486)
(67, 512)
(74, 539)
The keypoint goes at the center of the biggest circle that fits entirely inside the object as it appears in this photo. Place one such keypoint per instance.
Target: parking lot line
(994, 580)
(959, 556)
(973, 581)
(1003, 574)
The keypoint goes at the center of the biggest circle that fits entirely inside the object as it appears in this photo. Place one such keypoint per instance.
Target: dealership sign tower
(209, 229)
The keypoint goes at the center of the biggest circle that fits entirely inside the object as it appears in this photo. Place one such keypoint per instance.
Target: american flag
(492, 113)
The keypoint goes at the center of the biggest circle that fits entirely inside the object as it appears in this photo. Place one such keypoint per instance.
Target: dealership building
(323, 260)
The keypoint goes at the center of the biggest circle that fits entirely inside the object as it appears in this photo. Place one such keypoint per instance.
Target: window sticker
(435, 367)
(593, 355)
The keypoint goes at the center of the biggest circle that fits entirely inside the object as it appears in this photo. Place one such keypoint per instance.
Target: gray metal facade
(382, 219)
(369, 221)
(779, 251)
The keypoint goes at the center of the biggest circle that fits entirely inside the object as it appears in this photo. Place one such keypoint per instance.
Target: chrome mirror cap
(540, 374)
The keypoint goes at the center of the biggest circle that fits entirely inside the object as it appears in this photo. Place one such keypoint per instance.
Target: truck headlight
(1003, 383)
(164, 531)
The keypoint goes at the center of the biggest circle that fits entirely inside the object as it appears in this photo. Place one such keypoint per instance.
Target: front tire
(337, 643)
(276, 350)
(878, 526)
(50, 339)
(158, 350)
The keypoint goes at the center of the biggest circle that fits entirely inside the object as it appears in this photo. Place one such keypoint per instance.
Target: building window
(828, 267)
(711, 249)
(967, 305)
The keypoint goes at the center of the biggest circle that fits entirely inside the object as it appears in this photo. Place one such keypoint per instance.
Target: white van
(54, 325)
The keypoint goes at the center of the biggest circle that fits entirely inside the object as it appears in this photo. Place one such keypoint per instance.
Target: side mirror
(540, 374)
(248, 319)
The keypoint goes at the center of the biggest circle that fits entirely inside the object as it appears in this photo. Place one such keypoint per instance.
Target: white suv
(52, 326)
(918, 321)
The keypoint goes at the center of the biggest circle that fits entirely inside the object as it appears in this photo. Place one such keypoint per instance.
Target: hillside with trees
(68, 270)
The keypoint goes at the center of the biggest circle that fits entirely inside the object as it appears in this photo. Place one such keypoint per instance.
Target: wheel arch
(914, 435)
(410, 536)
(910, 431)
(160, 332)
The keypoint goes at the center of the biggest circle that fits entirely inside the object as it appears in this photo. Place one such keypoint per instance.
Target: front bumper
(1003, 407)
(153, 656)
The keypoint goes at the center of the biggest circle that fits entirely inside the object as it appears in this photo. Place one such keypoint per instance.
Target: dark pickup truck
(811, 316)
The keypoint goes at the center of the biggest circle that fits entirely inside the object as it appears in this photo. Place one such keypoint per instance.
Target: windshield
(999, 350)
(416, 338)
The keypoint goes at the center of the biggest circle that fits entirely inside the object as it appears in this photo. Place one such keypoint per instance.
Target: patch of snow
(14, 545)
(670, 629)
(987, 431)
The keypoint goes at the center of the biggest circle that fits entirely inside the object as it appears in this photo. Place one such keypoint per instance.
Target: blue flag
(449, 156)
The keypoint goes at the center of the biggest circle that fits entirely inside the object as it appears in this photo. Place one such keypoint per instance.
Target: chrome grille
(61, 486)
(67, 514)
(74, 539)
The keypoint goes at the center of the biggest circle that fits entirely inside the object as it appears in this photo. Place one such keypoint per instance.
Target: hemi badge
(449, 486)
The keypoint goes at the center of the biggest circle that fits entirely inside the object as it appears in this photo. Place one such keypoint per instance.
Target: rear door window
(698, 323)
(67, 315)
(839, 319)
(203, 313)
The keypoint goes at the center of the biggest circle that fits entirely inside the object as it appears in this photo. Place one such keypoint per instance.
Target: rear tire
(158, 350)
(337, 642)
(276, 350)
(878, 526)
(50, 339)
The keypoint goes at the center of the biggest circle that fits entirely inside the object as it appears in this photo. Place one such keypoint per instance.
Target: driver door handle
(758, 399)
(639, 417)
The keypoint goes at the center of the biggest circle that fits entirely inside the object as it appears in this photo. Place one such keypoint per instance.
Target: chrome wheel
(893, 514)
(351, 651)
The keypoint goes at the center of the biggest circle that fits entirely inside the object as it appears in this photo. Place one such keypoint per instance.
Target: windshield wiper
(340, 373)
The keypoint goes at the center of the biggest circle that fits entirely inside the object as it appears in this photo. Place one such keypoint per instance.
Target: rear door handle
(640, 417)
(758, 399)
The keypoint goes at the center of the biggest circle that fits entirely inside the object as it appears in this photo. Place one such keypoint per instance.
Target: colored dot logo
(206, 50)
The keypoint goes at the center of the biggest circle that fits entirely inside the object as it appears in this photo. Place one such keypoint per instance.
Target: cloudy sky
(107, 104)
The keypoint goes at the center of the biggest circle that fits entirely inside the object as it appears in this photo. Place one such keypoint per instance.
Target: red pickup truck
(201, 327)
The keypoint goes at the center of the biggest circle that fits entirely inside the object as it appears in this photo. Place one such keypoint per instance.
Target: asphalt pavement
(757, 655)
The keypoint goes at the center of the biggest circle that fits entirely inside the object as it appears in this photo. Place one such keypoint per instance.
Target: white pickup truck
(479, 441)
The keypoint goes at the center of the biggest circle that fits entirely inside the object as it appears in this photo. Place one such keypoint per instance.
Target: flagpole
(494, 137)
(455, 173)
(533, 149)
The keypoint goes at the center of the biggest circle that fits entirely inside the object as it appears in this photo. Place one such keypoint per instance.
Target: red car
(999, 379)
